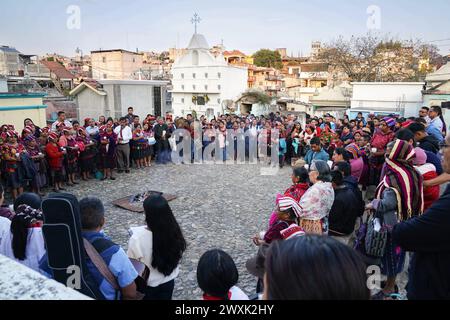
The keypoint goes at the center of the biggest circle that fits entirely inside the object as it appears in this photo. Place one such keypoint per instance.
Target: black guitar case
(64, 243)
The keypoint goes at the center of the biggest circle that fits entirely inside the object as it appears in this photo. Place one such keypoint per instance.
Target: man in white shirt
(124, 136)
(61, 119)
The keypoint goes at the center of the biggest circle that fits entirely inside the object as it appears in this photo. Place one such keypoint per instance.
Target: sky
(48, 26)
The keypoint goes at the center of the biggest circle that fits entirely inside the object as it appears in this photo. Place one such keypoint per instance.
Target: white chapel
(203, 83)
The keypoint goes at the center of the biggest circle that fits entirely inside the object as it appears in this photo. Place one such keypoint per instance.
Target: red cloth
(55, 156)
(274, 232)
(211, 298)
(296, 191)
(380, 140)
(430, 194)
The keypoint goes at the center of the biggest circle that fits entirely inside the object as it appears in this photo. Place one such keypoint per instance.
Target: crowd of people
(363, 192)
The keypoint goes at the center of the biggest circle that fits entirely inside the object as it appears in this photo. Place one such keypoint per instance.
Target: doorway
(246, 107)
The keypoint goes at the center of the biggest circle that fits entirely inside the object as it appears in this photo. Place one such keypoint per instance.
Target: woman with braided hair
(25, 242)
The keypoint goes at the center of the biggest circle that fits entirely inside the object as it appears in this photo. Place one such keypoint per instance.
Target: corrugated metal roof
(8, 49)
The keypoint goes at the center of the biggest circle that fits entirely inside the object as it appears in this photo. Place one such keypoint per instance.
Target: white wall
(403, 98)
(139, 97)
(3, 85)
(90, 104)
(232, 82)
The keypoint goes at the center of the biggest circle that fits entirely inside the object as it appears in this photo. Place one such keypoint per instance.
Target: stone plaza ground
(218, 206)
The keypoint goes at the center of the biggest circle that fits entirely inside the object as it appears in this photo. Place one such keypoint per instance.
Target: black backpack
(64, 243)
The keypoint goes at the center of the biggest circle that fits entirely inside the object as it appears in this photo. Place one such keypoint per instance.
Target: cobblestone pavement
(218, 206)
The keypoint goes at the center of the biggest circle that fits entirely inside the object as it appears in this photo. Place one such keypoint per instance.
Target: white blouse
(317, 201)
(140, 247)
(34, 252)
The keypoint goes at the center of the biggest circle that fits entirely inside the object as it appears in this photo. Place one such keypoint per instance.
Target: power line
(439, 40)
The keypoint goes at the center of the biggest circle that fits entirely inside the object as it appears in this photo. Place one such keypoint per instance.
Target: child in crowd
(428, 172)
(217, 276)
(288, 211)
(300, 179)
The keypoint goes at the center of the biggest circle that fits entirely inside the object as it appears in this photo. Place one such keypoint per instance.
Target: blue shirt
(332, 126)
(115, 258)
(435, 129)
(118, 263)
(321, 155)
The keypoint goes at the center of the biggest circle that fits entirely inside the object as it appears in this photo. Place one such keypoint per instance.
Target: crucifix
(196, 20)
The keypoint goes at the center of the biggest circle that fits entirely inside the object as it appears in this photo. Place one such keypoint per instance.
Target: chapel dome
(198, 41)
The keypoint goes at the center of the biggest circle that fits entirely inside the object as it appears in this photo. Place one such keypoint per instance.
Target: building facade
(15, 107)
(204, 83)
(112, 98)
(9, 61)
(402, 98)
(115, 64)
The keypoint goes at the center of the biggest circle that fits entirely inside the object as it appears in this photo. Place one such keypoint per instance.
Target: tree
(372, 58)
(257, 96)
(268, 58)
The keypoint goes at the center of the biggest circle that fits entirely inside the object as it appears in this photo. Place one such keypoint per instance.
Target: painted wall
(117, 66)
(13, 110)
(402, 98)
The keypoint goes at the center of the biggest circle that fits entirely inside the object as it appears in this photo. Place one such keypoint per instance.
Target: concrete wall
(90, 105)
(140, 97)
(3, 85)
(18, 282)
(402, 98)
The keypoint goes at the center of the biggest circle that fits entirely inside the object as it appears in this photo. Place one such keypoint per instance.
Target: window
(218, 101)
(134, 60)
(219, 87)
(193, 75)
(104, 59)
(182, 76)
(182, 100)
(219, 75)
(182, 87)
(195, 58)
(206, 87)
(206, 75)
(105, 76)
(194, 86)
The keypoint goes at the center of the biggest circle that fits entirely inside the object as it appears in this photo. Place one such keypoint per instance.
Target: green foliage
(268, 58)
(390, 45)
(258, 96)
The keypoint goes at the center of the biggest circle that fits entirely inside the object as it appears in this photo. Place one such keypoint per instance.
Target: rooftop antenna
(195, 21)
